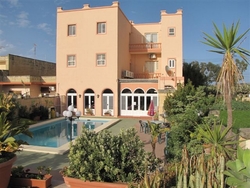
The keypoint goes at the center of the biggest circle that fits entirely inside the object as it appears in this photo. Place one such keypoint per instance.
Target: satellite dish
(168, 71)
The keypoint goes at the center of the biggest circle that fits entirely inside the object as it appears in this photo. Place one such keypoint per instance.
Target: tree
(211, 71)
(228, 44)
(186, 109)
(192, 72)
(242, 66)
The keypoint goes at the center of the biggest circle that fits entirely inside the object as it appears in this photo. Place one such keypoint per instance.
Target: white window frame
(171, 63)
(101, 27)
(151, 66)
(100, 59)
(71, 60)
(171, 31)
(72, 30)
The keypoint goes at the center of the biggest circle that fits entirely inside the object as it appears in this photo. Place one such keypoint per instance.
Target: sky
(28, 27)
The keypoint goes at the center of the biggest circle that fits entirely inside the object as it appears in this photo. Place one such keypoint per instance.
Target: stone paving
(32, 159)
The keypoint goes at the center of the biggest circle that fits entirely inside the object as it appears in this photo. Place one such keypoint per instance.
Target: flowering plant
(20, 172)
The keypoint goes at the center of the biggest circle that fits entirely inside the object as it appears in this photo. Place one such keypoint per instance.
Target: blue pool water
(58, 133)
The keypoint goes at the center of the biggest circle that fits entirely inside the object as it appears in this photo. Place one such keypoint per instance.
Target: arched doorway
(89, 100)
(126, 102)
(137, 103)
(108, 101)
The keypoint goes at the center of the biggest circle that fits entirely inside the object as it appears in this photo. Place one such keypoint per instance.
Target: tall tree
(228, 43)
(192, 72)
(242, 66)
(211, 71)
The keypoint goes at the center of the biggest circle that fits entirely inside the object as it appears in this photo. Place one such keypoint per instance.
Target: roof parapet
(86, 6)
(115, 4)
(163, 12)
(179, 11)
(59, 9)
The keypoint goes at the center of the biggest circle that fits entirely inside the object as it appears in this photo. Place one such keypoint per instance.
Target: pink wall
(120, 33)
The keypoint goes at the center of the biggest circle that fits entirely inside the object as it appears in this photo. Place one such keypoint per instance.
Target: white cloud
(5, 47)
(3, 18)
(13, 2)
(45, 27)
(22, 20)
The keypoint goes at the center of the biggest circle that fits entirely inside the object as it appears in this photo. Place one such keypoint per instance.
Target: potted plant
(108, 113)
(89, 112)
(10, 126)
(105, 160)
(25, 178)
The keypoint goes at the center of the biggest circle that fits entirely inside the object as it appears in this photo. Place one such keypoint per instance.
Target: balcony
(147, 75)
(145, 48)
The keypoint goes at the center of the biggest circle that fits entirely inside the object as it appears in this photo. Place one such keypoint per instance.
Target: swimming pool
(55, 135)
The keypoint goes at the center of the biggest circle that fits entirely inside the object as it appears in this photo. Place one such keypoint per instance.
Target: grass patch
(241, 118)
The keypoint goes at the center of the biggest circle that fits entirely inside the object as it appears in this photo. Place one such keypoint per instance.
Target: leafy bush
(33, 111)
(186, 108)
(23, 112)
(106, 157)
(40, 111)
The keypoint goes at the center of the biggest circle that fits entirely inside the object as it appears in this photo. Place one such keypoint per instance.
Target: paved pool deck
(31, 160)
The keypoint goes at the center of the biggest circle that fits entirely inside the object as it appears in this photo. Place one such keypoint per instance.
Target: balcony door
(150, 37)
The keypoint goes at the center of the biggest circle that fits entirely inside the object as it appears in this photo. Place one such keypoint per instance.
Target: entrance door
(107, 101)
(72, 98)
(89, 100)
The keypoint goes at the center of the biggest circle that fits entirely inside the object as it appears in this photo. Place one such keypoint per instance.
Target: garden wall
(49, 102)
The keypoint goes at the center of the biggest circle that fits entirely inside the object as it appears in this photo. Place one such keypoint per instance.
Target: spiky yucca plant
(228, 43)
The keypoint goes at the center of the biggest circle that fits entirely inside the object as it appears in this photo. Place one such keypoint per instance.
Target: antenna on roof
(34, 54)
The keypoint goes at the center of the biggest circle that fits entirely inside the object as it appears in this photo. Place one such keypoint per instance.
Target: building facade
(108, 63)
(27, 77)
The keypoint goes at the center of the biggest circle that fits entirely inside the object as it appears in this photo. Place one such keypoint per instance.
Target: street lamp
(69, 115)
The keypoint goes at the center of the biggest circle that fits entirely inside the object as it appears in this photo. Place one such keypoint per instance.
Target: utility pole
(34, 53)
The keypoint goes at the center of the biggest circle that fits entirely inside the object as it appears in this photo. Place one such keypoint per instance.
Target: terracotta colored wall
(85, 45)
(172, 45)
(120, 33)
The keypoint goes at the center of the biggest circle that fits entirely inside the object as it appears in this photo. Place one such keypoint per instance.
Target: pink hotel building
(106, 62)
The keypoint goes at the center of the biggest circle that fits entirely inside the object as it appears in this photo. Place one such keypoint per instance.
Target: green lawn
(241, 118)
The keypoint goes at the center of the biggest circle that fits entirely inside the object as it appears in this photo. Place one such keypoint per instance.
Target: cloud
(13, 2)
(22, 19)
(5, 47)
(45, 27)
(3, 18)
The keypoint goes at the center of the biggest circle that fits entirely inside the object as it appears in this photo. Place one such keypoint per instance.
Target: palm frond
(212, 41)
(240, 37)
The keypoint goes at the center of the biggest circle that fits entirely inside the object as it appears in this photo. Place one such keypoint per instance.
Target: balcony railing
(147, 75)
(145, 47)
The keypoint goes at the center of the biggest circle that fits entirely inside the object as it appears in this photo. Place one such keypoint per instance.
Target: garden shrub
(106, 157)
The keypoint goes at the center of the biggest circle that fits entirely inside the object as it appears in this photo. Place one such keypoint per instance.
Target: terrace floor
(33, 159)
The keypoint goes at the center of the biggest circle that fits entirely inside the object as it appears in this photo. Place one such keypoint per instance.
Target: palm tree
(228, 44)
